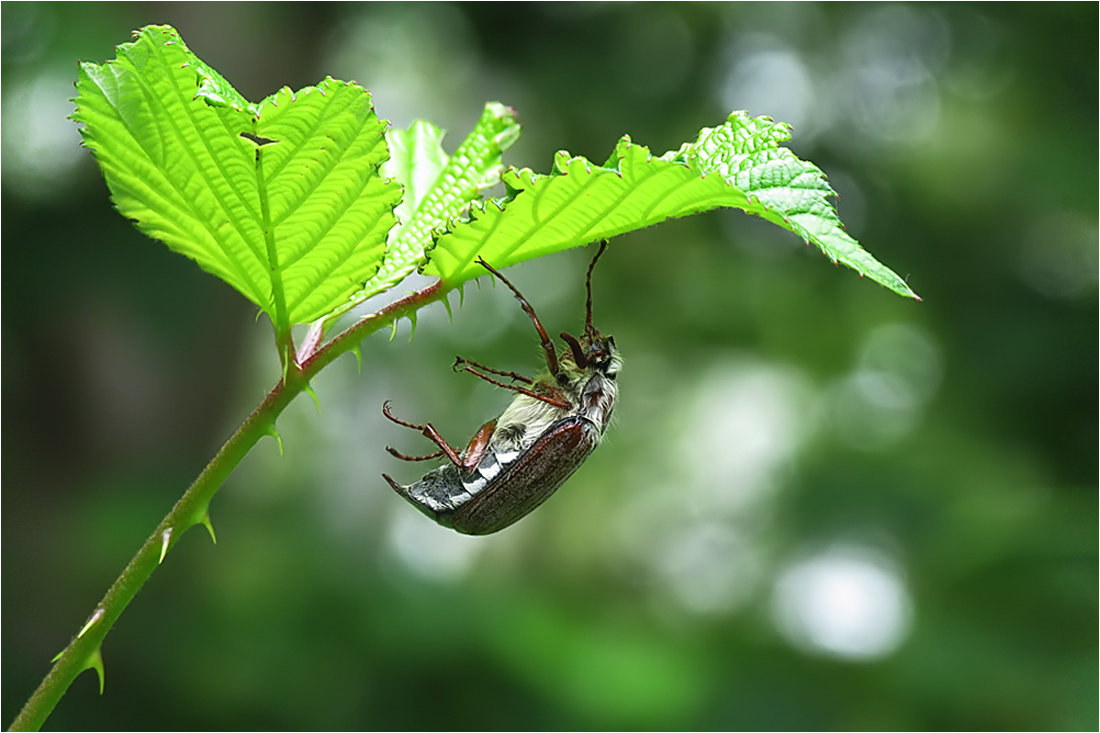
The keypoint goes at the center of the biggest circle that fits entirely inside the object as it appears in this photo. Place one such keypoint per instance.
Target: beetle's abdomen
(530, 479)
(442, 491)
(505, 486)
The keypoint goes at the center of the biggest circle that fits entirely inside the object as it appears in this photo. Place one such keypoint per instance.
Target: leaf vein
(188, 205)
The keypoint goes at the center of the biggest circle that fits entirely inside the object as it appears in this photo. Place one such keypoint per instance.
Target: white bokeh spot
(848, 602)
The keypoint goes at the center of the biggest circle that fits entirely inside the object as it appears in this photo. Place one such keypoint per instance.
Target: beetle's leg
(547, 344)
(476, 449)
(391, 418)
(460, 362)
(404, 457)
(557, 400)
(429, 432)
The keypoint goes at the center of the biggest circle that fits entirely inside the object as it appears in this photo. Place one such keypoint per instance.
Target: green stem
(83, 652)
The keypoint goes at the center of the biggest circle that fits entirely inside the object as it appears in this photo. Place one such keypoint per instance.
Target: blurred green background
(822, 506)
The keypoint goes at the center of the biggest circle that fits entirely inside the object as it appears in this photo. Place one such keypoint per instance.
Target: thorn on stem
(274, 433)
(96, 662)
(209, 527)
(308, 389)
(165, 540)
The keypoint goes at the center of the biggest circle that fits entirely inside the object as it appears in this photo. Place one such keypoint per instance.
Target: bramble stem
(83, 652)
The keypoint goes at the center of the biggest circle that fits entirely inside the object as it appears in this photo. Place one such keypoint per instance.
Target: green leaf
(737, 165)
(746, 152)
(441, 188)
(416, 160)
(438, 188)
(281, 199)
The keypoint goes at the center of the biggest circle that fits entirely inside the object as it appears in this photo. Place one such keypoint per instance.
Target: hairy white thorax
(591, 393)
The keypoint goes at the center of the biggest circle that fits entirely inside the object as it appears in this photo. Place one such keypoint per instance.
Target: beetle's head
(593, 351)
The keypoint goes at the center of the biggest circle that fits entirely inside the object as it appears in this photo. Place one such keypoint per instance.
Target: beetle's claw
(396, 486)
(391, 418)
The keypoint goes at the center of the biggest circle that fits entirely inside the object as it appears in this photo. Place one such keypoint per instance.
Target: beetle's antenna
(547, 345)
(588, 286)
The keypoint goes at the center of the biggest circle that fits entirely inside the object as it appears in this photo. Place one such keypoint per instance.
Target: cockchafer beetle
(515, 462)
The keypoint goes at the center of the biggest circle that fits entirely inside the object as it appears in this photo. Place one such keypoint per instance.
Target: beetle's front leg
(557, 399)
(465, 365)
(429, 432)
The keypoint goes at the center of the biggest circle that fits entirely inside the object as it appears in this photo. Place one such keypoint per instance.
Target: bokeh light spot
(768, 78)
(430, 551)
(847, 601)
(882, 400)
(41, 146)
